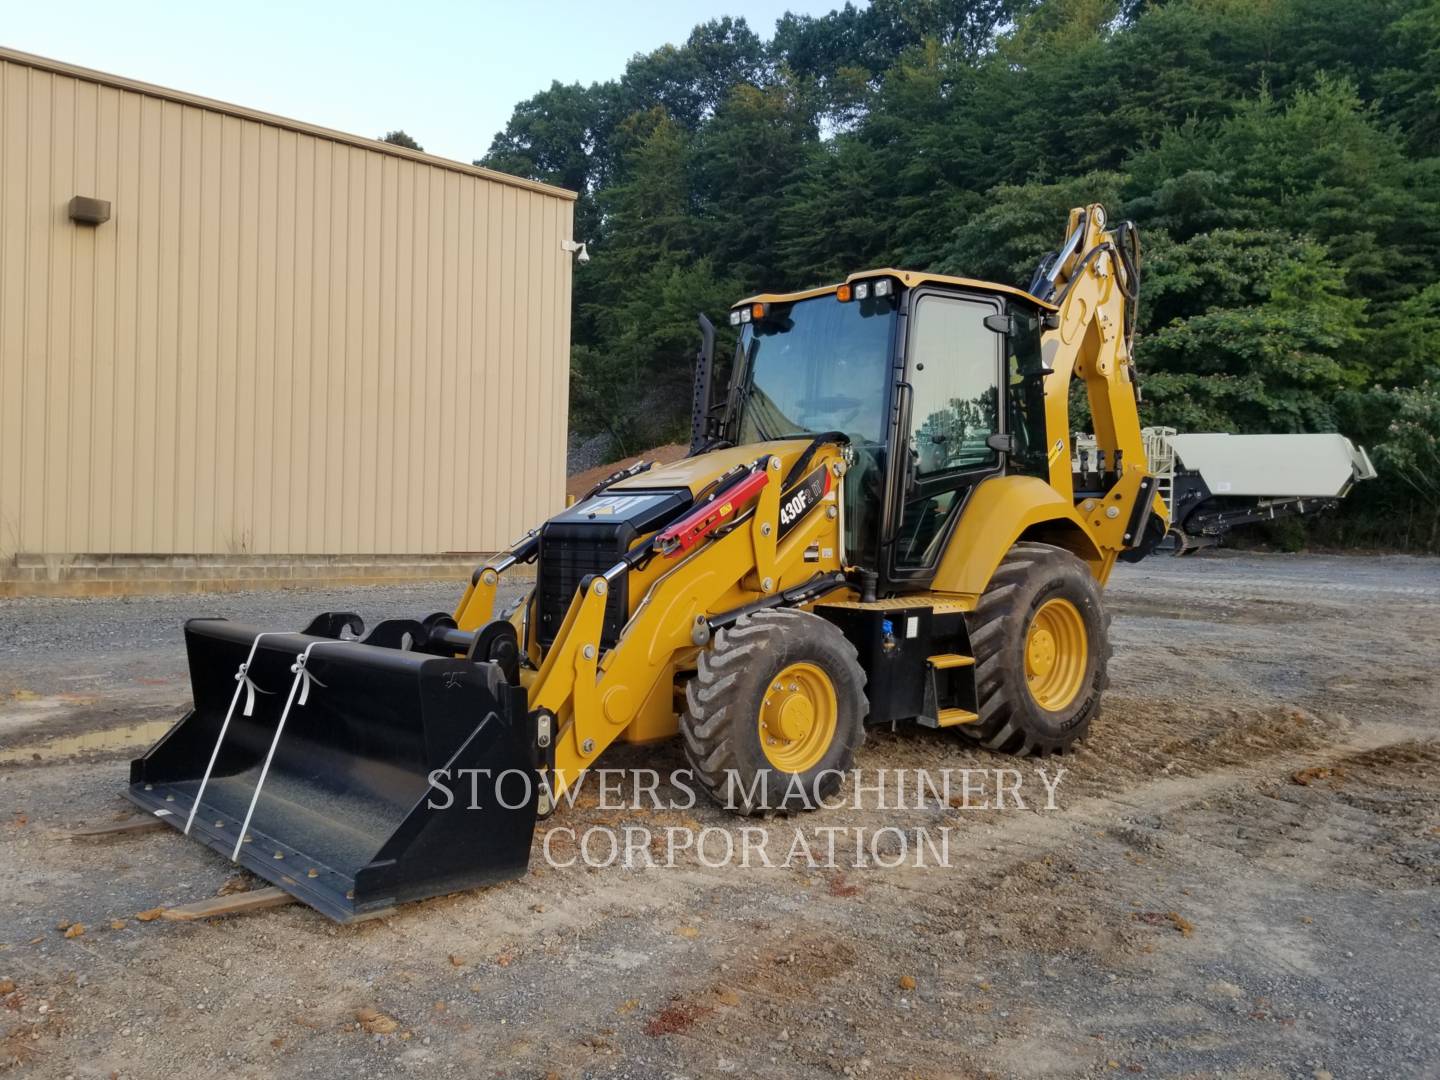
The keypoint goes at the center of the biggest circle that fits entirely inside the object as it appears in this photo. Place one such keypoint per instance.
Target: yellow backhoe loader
(879, 522)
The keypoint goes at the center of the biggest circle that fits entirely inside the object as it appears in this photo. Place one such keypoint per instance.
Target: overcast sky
(446, 72)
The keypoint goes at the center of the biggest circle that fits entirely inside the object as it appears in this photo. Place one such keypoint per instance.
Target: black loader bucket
(308, 759)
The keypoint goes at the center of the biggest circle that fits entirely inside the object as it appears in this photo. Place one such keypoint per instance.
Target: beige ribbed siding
(284, 340)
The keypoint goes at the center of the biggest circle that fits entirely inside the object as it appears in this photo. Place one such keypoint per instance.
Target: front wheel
(775, 712)
(1041, 647)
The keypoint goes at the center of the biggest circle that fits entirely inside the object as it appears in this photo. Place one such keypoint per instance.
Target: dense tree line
(1281, 157)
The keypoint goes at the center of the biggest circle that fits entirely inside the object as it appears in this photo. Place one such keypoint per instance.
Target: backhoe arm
(1094, 280)
(1093, 285)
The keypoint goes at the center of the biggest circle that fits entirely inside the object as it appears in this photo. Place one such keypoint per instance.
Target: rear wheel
(775, 712)
(1041, 646)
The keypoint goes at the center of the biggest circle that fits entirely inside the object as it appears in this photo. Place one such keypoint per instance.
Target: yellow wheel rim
(1056, 651)
(798, 718)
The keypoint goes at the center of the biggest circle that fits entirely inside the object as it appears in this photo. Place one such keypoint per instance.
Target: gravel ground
(82, 665)
(587, 453)
(1240, 879)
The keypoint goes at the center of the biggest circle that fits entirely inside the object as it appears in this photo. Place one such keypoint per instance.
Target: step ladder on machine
(949, 698)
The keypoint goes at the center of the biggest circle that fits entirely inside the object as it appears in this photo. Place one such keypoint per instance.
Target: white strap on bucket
(306, 679)
(302, 682)
(242, 682)
(243, 677)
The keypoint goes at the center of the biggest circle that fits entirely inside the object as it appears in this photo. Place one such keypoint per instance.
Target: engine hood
(695, 472)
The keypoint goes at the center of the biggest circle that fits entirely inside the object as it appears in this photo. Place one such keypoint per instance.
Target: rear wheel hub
(1056, 653)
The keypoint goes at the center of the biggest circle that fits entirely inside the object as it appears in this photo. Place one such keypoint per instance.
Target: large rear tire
(775, 712)
(1040, 638)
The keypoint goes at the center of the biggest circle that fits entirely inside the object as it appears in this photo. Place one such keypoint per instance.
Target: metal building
(224, 332)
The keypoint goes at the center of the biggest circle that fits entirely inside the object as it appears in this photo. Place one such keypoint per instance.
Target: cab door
(953, 364)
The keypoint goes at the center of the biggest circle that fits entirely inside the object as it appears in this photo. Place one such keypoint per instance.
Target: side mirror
(1005, 444)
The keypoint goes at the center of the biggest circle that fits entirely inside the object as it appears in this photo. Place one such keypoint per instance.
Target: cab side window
(954, 374)
(956, 394)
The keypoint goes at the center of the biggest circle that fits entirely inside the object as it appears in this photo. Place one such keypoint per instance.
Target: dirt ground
(1240, 879)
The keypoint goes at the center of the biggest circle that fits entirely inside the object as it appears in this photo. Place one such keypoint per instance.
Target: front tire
(1040, 640)
(775, 712)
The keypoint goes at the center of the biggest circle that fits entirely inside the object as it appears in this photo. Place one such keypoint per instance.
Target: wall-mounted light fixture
(87, 211)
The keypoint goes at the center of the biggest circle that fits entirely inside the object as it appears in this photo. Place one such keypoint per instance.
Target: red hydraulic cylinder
(703, 520)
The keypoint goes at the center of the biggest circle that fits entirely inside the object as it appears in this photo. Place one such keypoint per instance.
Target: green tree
(1320, 164)
(829, 223)
(399, 138)
(561, 136)
(1411, 86)
(745, 158)
(1406, 346)
(1410, 453)
(1019, 224)
(636, 387)
(1274, 365)
(692, 81)
(648, 215)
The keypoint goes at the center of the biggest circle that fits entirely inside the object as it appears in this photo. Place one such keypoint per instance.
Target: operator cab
(936, 382)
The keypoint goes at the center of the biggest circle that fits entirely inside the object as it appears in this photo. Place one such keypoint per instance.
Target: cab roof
(908, 278)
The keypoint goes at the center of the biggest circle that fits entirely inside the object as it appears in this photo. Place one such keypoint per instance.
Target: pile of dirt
(582, 482)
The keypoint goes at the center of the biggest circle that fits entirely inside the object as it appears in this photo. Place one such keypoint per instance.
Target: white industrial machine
(1212, 482)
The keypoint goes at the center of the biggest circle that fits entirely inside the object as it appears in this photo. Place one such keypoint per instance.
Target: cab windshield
(820, 365)
(813, 366)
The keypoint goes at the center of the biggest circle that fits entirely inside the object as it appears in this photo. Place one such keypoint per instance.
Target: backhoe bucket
(311, 758)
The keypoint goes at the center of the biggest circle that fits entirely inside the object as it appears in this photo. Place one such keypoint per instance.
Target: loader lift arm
(596, 695)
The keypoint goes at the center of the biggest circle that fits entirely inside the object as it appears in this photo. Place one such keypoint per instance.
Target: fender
(1002, 510)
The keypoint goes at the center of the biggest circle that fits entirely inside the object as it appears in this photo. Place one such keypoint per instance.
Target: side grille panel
(564, 563)
(589, 538)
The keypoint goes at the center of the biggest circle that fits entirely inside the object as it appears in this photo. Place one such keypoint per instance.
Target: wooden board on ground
(142, 823)
(232, 904)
